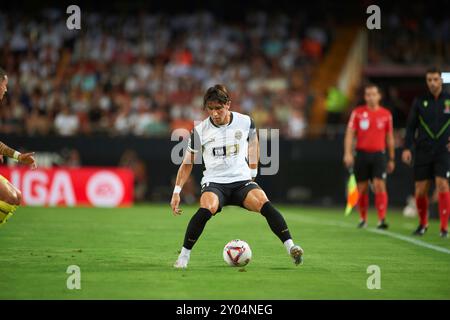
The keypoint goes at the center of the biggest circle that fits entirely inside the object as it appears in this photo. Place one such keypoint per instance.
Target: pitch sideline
(373, 230)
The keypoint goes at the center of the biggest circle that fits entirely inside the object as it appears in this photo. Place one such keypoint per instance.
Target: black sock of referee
(196, 226)
(276, 221)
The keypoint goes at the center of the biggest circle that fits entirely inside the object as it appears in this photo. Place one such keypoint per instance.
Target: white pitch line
(410, 240)
(381, 232)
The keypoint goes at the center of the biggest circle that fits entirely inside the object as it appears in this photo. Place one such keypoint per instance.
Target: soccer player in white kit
(229, 145)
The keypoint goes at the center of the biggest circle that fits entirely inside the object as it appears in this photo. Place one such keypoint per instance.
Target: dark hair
(217, 93)
(2, 73)
(372, 85)
(433, 70)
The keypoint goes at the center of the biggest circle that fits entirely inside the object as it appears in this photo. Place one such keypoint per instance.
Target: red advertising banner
(87, 186)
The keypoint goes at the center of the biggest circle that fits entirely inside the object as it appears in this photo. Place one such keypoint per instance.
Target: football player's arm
(253, 150)
(348, 142)
(411, 126)
(25, 158)
(184, 171)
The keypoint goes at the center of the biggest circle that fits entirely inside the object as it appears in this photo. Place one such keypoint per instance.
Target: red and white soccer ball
(237, 253)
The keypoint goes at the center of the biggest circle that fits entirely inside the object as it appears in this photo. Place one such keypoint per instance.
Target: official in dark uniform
(428, 131)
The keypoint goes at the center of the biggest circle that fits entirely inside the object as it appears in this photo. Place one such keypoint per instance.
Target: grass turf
(128, 254)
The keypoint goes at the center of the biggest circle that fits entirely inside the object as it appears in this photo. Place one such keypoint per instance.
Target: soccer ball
(237, 253)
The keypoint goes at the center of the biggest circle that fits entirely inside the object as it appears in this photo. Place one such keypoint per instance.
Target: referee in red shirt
(371, 124)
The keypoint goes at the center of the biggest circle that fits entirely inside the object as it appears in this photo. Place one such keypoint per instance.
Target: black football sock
(195, 227)
(276, 221)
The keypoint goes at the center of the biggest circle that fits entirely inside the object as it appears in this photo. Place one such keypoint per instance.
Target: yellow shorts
(6, 209)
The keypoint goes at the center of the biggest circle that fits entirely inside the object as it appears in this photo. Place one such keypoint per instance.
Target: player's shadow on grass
(281, 268)
(240, 269)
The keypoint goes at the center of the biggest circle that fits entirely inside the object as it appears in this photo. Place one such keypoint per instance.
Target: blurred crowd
(413, 34)
(146, 74)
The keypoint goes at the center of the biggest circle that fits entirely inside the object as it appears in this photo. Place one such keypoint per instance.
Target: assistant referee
(371, 125)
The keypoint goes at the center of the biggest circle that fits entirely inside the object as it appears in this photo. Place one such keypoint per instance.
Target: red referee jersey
(371, 127)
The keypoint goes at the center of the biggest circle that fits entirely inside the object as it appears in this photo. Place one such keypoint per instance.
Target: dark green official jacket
(428, 126)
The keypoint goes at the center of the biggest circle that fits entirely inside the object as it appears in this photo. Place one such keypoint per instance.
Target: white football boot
(296, 253)
(182, 261)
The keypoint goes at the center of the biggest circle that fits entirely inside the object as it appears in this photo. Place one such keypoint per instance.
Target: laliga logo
(105, 189)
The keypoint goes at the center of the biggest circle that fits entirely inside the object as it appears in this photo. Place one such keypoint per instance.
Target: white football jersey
(224, 148)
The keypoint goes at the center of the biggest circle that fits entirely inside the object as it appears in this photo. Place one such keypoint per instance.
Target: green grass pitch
(129, 253)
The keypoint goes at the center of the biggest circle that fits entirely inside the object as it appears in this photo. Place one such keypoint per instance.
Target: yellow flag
(352, 194)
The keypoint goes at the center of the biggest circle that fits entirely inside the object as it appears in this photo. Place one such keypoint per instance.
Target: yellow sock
(4, 217)
(6, 207)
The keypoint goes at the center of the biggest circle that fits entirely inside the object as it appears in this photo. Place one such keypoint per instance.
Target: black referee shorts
(369, 165)
(428, 165)
(230, 194)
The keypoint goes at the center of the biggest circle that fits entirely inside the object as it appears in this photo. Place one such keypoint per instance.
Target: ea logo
(364, 124)
(105, 189)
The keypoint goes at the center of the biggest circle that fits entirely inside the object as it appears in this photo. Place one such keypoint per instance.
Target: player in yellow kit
(10, 196)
